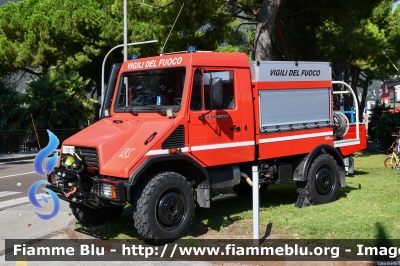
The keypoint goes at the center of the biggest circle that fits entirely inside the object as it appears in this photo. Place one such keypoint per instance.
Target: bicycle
(393, 160)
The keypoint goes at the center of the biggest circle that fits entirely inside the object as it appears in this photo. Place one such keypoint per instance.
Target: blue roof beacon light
(134, 56)
(191, 49)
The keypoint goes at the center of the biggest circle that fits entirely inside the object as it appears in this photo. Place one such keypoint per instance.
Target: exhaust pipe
(248, 180)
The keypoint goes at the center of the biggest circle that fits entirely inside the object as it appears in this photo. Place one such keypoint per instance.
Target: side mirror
(112, 81)
(216, 90)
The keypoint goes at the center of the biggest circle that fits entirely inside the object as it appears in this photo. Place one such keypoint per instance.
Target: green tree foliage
(350, 35)
(72, 35)
(206, 24)
(357, 57)
(54, 100)
(228, 48)
(393, 40)
(59, 101)
(299, 26)
(75, 35)
(387, 124)
(36, 35)
(13, 112)
(378, 112)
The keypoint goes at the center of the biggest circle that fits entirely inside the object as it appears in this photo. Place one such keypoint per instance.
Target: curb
(97, 242)
(12, 159)
(73, 234)
(77, 236)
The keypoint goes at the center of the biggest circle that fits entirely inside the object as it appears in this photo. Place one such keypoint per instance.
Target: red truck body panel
(186, 127)
(225, 136)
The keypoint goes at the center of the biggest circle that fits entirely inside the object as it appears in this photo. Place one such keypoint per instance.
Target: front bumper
(80, 187)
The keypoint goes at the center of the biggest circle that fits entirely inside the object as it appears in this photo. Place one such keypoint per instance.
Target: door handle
(234, 128)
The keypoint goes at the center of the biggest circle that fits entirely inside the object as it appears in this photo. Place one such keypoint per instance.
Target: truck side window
(196, 100)
(228, 89)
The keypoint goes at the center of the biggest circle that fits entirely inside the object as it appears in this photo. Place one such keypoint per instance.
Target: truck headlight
(108, 190)
(51, 178)
(54, 178)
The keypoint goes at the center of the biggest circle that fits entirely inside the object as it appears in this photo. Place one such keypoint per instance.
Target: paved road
(19, 221)
(17, 215)
(15, 180)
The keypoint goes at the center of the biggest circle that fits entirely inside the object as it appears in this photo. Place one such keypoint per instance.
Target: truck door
(215, 132)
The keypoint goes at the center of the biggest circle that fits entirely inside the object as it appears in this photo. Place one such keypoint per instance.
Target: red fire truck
(177, 128)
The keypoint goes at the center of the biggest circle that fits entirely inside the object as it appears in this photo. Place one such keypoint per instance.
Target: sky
(395, 5)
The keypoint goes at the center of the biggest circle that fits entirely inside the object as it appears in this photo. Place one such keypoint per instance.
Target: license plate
(68, 149)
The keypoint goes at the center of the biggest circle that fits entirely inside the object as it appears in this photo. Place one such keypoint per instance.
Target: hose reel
(340, 125)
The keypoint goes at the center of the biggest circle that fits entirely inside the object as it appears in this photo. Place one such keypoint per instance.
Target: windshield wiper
(154, 109)
(130, 110)
(144, 108)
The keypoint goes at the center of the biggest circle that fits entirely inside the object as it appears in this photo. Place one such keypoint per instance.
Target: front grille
(89, 156)
(176, 139)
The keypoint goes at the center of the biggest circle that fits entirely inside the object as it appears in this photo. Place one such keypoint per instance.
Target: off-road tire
(93, 217)
(323, 182)
(244, 189)
(163, 208)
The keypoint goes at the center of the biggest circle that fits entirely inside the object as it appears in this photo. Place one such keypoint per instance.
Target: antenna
(171, 29)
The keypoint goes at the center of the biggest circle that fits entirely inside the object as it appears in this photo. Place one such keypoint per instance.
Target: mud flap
(302, 199)
(203, 195)
(349, 165)
(342, 178)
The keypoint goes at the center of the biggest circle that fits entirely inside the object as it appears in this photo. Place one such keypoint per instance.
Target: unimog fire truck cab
(177, 128)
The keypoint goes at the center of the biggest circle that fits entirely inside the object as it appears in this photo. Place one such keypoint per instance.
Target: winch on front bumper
(80, 187)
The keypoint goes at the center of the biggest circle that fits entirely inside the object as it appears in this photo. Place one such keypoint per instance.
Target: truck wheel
(164, 207)
(90, 216)
(323, 181)
(244, 189)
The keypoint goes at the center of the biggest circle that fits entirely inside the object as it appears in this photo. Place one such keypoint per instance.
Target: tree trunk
(355, 76)
(337, 71)
(348, 98)
(279, 31)
(364, 99)
(265, 23)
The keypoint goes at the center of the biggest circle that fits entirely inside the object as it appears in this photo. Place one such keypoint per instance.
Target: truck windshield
(152, 90)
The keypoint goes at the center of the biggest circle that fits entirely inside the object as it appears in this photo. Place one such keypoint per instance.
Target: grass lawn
(367, 208)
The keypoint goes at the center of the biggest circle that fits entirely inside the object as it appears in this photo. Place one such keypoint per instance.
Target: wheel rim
(324, 180)
(171, 209)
